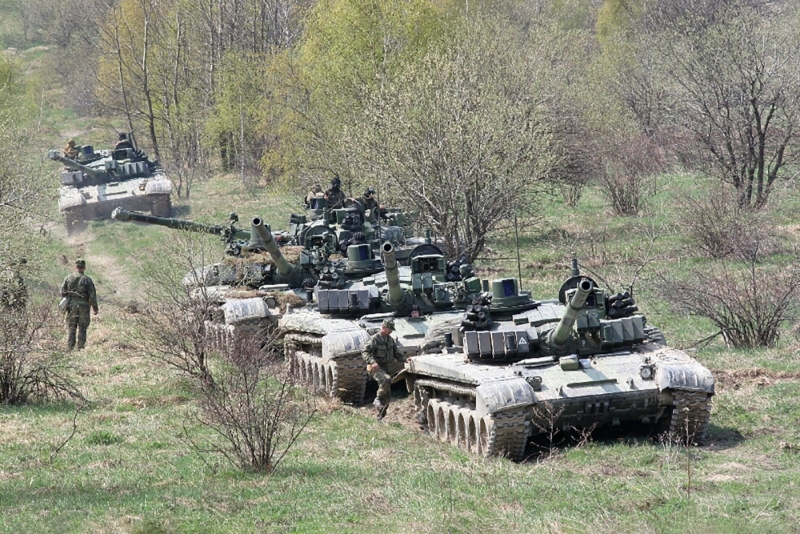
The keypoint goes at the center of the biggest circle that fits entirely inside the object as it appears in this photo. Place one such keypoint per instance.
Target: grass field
(129, 467)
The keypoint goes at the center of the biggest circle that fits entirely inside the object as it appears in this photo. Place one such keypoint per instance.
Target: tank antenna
(516, 242)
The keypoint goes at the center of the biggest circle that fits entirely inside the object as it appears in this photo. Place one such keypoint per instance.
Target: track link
(344, 378)
(691, 411)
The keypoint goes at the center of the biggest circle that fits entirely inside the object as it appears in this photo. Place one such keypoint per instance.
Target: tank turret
(560, 337)
(74, 165)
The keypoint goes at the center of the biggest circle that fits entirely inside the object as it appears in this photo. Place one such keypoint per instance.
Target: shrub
(32, 368)
(749, 304)
(628, 178)
(721, 227)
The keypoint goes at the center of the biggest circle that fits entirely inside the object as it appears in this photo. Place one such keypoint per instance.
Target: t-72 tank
(323, 345)
(94, 183)
(580, 362)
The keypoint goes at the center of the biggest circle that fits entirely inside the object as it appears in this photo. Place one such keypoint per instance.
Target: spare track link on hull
(345, 378)
(691, 411)
(502, 434)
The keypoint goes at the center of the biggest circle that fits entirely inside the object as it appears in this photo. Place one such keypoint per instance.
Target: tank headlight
(646, 372)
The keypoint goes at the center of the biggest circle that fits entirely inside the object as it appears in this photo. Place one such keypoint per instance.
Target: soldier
(123, 142)
(335, 196)
(81, 295)
(316, 192)
(378, 353)
(369, 203)
(70, 150)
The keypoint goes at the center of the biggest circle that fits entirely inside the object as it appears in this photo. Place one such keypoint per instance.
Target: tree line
(461, 111)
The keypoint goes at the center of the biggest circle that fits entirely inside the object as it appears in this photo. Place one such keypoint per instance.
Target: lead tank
(93, 183)
(582, 361)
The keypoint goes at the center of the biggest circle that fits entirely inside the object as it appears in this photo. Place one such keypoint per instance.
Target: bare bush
(748, 303)
(252, 407)
(722, 227)
(32, 368)
(628, 179)
(244, 394)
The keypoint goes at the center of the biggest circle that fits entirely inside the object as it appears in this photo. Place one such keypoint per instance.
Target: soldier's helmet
(368, 192)
(389, 323)
(336, 183)
(80, 263)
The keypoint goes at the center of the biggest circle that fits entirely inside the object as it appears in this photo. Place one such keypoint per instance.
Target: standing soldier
(379, 352)
(81, 295)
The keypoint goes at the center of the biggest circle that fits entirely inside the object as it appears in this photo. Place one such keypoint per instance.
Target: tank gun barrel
(563, 331)
(178, 224)
(395, 296)
(284, 267)
(74, 165)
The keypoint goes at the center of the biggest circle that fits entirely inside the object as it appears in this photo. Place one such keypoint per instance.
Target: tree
(735, 86)
(461, 137)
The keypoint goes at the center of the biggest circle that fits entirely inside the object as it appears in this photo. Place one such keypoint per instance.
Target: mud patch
(759, 378)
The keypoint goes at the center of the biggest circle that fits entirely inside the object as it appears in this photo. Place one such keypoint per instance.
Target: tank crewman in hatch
(378, 352)
(315, 192)
(335, 196)
(370, 203)
(70, 150)
(123, 142)
(79, 289)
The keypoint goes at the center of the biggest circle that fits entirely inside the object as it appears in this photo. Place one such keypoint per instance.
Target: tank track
(457, 422)
(688, 422)
(654, 335)
(345, 378)
(162, 206)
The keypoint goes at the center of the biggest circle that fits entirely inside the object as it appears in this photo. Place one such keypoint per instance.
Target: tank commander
(334, 195)
(80, 293)
(123, 142)
(70, 150)
(379, 351)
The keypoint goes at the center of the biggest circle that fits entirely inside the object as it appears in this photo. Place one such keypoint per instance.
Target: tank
(518, 368)
(341, 228)
(93, 183)
(323, 344)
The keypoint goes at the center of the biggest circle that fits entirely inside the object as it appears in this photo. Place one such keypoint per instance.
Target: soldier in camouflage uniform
(79, 289)
(335, 196)
(378, 353)
(370, 203)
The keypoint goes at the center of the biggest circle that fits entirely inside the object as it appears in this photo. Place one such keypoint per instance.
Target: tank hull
(495, 409)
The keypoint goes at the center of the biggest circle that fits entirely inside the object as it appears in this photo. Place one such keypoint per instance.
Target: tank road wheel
(486, 436)
(162, 206)
(452, 424)
(432, 412)
(462, 428)
(687, 420)
(348, 379)
(473, 438)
